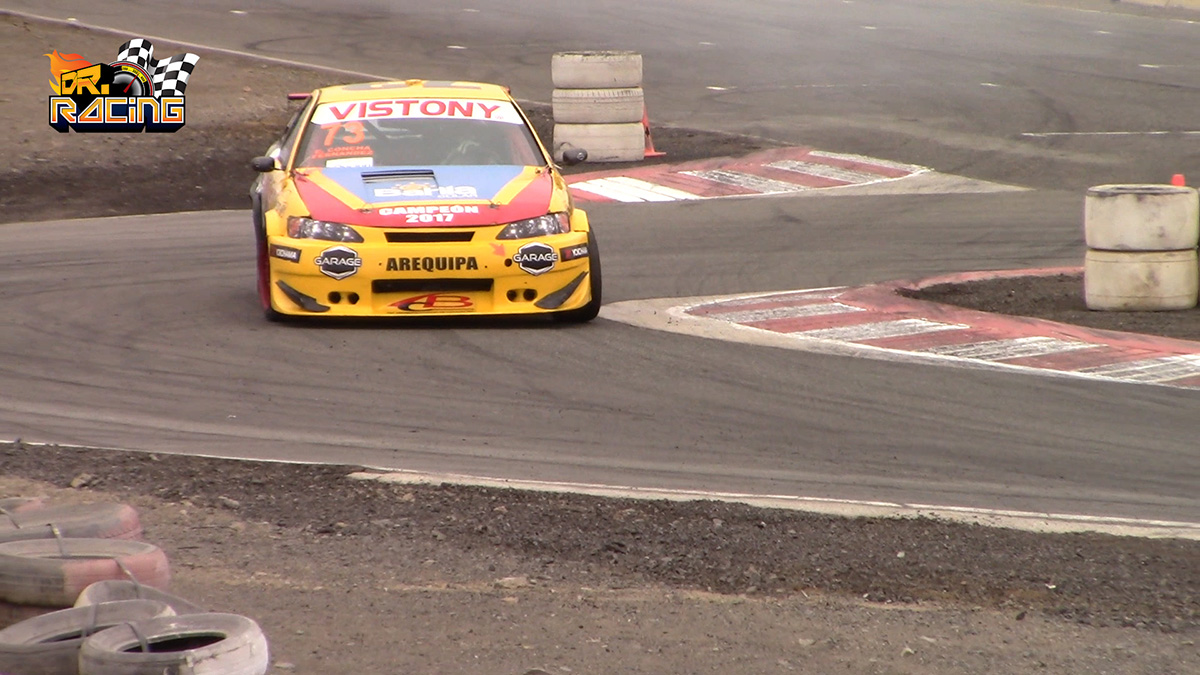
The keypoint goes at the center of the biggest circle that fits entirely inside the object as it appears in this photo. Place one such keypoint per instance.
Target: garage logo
(536, 258)
(338, 262)
(135, 93)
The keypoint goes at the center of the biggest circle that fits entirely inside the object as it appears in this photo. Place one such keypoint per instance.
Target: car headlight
(551, 223)
(308, 228)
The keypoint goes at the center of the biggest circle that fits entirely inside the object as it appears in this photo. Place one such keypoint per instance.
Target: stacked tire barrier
(599, 105)
(81, 594)
(1141, 247)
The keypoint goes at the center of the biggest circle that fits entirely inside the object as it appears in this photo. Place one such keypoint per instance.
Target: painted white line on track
(791, 312)
(652, 188)
(1032, 521)
(1162, 369)
(863, 159)
(1054, 134)
(879, 330)
(120, 32)
(826, 171)
(747, 181)
(1023, 520)
(751, 300)
(626, 189)
(1015, 348)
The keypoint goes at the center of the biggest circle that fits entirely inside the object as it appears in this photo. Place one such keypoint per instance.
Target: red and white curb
(780, 171)
(875, 321)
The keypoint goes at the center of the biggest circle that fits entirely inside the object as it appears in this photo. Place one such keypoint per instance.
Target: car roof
(418, 89)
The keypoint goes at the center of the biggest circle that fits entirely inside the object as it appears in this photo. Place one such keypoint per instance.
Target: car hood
(386, 196)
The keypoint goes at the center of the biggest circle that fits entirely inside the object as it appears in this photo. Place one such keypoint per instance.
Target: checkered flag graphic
(169, 76)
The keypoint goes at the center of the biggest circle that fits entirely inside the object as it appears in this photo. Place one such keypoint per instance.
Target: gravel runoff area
(366, 577)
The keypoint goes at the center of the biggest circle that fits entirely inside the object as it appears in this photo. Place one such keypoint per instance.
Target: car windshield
(411, 132)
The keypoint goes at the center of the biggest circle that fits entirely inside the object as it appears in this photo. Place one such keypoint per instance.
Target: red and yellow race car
(419, 198)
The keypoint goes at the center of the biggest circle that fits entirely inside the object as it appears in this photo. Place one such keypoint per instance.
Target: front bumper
(487, 277)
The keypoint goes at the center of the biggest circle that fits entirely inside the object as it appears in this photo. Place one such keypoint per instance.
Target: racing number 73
(354, 133)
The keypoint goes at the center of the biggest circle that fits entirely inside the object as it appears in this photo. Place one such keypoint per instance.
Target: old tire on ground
(49, 644)
(596, 70)
(603, 142)
(86, 521)
(12, 613)
(595, 280)
(1141, 217)
(53, 572)
(207, 644)
(598, 106)
(124, 589)
(1140, 281)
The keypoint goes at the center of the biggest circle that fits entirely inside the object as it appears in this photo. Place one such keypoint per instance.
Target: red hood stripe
(530, 202)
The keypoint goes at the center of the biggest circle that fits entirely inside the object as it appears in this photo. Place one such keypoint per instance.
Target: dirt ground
(349, 576)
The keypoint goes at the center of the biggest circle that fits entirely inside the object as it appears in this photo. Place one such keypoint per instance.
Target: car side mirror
(265, 164)
(573, 156)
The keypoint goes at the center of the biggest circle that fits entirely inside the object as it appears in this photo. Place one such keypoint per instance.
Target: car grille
(430, 285)
(427, 237)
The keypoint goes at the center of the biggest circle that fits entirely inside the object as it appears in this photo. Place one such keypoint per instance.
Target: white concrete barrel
(1141, 217)
(598, 106)
(603, 142)
(596, 70)
(1141, 281)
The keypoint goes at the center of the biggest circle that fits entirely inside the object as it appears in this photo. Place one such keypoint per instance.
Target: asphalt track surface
(143, 333)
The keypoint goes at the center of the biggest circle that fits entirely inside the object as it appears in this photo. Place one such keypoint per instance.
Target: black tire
(198, 644)
(263, 264)
(595, 281)
(49, 644)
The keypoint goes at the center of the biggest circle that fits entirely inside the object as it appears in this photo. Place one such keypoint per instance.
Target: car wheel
(264, 274)
(595, 282)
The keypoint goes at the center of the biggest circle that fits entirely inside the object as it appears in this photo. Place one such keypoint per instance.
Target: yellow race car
(419, 198)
